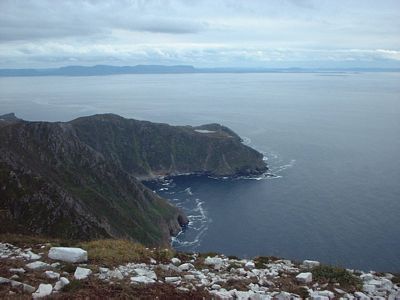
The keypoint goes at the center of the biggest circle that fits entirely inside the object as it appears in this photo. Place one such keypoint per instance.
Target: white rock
(366, 277)
(82, 273)
(67, 254)
(61, 283)
(52, 275)
(216, 286)
(142, 279)
(153, 261)
(4, 280)
(326, 293)
(309, 264)
(116, 274)
(361, 296)
(186, 267)
(172, 279)
(55, 265)
(213, 261)
(369, 288)
(19, 270)
(104, 270)
(222, 295)
(250, 265)
(43, 291)
(37, 265)
(147, 273)
(189, 277)
(319, 297)
(176, 261)
(304, 277)
(32, 256)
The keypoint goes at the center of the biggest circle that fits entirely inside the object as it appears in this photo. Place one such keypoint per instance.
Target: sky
(208, 33)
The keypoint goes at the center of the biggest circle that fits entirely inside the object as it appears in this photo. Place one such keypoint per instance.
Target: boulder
(61, 283)
(37, 265)
(52, 275)
(250, 265)
(361, 296)
(71, 255)
(186, 267)
(42, 291)
(304, 277)
(215, 261)
(142, 279)
(176, 261)
(82, 273)
(19, 270)
(147, 273)
(309, 264)
(172, 279)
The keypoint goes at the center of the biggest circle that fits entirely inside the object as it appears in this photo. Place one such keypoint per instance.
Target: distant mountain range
(102, 70)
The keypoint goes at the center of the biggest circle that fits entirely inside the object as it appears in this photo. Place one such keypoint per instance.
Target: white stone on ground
(19, 270)
(37, 265)
(61, 283)
(52, 275)
(43, 291)
(304, 277)
(250, 265)
(172, 279)
(82, 273)
(142, 279)
(309, 264)
(67, 254)
(26, 288)
(186, 267)
(176, 261)
(147, 273)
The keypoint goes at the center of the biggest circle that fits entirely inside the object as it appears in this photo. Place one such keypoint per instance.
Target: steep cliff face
(146, 149)
(78, 179)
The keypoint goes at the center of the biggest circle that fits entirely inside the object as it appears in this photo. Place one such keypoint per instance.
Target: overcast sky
(214, 33)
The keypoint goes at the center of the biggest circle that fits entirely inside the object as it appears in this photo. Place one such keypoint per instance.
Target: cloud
(204, 32)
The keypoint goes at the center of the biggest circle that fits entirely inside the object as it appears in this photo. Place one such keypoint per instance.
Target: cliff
(78, 179)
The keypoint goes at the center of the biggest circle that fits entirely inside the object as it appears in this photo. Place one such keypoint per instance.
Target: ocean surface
(332, 142)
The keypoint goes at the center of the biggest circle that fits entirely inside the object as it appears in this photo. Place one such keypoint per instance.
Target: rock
(37, 265)
(366, 277)
(304, 277)
(15, 283)
(240, 295)
(61, 283)
(72, 255)
(26, 288)
(309, 264)
(15, 276)
(82, 273)
(52, 275)
(147, 273)
(215, 261)
(250, 265)
(369, 288)
(361, 296)
(172, 279)
(216, 287)
(222, 295)
(142, 279)
(186, 267)
(43, 291)
(176, 261)
(104, 270)
(153, 261)
(55, 265)
(116, 274)
(32, 256)
(189, 277)
(339, 291)
(19, 270)
(4, 280)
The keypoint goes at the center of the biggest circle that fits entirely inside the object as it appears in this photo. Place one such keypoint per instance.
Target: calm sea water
(332, 144)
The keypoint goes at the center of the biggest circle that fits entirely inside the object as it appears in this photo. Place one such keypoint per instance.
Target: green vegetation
(115, 252)
(330, 274)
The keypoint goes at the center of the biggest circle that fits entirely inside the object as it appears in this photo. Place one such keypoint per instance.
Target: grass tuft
(330, 274)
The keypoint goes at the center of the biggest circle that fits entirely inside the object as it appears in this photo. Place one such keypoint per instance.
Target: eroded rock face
(79, 179)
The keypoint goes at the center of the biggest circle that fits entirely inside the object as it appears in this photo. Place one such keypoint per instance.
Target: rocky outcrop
(198, 277)
(79, 179)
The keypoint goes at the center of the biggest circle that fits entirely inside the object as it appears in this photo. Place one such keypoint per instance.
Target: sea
(331, 141)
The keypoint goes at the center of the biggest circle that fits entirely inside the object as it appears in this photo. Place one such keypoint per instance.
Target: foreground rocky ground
(43, 270)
